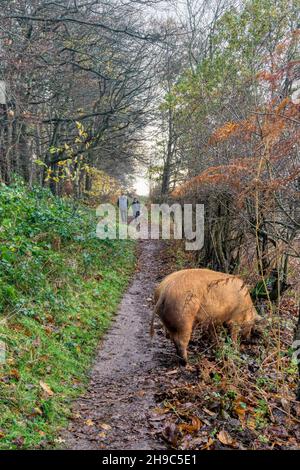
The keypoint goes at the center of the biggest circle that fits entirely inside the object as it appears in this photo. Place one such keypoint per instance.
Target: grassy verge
(59, 289)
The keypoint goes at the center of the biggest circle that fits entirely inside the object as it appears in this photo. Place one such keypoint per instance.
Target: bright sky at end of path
(141, 186)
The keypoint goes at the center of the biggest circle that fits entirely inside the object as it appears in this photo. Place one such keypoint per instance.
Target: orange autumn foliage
(231, 129)
(215, 175)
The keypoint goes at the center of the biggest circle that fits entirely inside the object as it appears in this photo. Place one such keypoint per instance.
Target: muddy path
(115, 411)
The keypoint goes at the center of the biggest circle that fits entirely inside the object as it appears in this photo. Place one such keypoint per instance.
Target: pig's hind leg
(181, 339)
(185, 327)
(179, 323)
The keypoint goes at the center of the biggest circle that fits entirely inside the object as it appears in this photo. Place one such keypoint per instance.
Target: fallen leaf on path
(89, 422)
(105, 426)
(285, 404)
(225, 438)
(46, 388)
(208, 444)
(171, 372)
(210, 413)
(251, 423)
(194, 427)
(240, 409)
(161, 411)
(102, 435)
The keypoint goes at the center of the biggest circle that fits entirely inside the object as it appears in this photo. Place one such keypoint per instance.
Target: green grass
(59, 289)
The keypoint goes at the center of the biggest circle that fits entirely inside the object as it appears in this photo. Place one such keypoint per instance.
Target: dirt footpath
(114, 413)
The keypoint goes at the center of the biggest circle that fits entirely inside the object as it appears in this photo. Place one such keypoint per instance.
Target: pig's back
(219, 294)
(187, 279)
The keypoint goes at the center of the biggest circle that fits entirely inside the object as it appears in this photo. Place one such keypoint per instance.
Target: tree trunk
(168, 160)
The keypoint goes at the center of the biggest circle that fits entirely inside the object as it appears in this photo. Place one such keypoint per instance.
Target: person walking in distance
(123, 206)
(136, 208)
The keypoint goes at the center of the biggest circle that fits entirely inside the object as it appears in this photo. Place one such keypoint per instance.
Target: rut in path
(114, 412)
